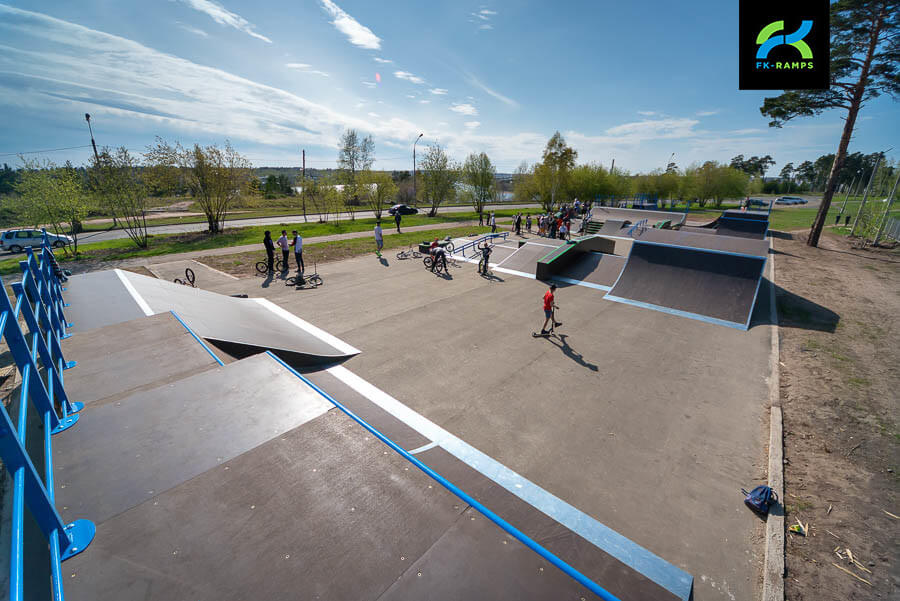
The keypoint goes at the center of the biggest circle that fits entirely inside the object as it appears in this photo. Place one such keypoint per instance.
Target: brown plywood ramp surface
(321, 511)
(711, 286)
(125, 452)
(595, 268)
(121, 359)
(525, 259)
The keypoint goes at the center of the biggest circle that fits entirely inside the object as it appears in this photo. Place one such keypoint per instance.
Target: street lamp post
(87, 118)
(415, 197)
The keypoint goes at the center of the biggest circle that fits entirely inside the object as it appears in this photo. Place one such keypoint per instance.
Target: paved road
(199, 227)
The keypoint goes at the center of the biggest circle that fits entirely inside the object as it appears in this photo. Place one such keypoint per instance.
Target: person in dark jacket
(270, 250)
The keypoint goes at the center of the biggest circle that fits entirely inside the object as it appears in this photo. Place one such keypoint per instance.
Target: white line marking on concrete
(628, 552)
(227, 275)
(424, 448)
(134, 293)
(514, 272)
(322, 335)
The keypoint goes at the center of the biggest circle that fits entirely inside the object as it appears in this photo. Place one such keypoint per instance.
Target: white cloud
(356, 32)
(477, 83)
(438, 91)
(369, 84)
(654, 129)
(482, 18)
(646, 113)
(223, 16)
(472, 124)
(158, 92)
(375, 115)
(748, 131)
(193, 30)
(408, 77)
(411, 96)
(383, 61)
(464, 109)
(305, 68)
(424, 101)
(707, 113)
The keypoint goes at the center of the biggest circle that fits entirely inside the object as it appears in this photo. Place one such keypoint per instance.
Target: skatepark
(400, 435)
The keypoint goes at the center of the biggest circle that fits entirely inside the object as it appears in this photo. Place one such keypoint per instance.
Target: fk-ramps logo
(784, 46)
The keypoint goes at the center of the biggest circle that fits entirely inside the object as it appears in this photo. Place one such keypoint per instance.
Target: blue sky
(634, 81)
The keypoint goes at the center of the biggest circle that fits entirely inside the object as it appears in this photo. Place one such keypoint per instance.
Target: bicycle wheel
(416, 254)
(402, 255)
(189, 276)
(481, 266)
(291, 281)
(315, 281)
(428, 262)
(178, 281)
(279, 265)
(262, 267)
(449, 247)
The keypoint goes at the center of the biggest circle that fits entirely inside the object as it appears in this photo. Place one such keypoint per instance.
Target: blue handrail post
(48, 321)
(54, 375)
(64, 540)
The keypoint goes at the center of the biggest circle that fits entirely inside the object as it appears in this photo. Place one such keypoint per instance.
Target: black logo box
(755, 74)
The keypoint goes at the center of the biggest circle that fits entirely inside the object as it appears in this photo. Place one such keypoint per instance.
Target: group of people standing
(296, 242)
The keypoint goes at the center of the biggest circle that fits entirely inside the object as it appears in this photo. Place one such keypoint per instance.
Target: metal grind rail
(474, 243)
(39, 360)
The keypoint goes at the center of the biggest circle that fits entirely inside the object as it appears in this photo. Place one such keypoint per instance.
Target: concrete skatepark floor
(648, 422)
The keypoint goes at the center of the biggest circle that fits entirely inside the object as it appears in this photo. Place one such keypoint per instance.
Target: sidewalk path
(230, 250)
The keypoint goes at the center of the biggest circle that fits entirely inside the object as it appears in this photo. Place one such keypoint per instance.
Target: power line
(8, 154)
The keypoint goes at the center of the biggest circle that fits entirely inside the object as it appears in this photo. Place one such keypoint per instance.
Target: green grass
(794, 218)
(251, 213)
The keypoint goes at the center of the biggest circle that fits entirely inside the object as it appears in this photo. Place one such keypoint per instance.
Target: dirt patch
(839, 309)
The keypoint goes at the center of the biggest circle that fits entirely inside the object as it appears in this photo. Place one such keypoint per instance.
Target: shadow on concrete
(384, 261)
(781, 235)
(491, 277)
(794, 311)
(569, 352)
(269, 277)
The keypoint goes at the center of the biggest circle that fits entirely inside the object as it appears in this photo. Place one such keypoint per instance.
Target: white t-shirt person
(379, 239)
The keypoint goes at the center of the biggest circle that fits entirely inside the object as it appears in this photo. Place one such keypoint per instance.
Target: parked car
(790, 200)
(756, 202)
(18, 240)
(403, 210)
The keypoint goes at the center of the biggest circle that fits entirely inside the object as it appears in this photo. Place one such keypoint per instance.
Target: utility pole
(415, 196)
(887, 210)
(865, 195)
(303, 189)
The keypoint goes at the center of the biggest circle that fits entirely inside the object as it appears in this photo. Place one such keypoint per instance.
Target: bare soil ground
(839, 310)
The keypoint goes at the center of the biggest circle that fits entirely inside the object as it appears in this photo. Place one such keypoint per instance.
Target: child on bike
(485, 249)
(437, 254)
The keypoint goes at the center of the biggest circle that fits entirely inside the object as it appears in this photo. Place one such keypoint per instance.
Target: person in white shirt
(285, 249)
(379, 239)
(297, 243)
(493, 222)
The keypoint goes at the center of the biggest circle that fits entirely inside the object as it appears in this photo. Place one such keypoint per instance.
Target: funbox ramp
(241, 326)
(708, 285)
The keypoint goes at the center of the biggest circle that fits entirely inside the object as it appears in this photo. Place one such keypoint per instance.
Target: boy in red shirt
(549, 305)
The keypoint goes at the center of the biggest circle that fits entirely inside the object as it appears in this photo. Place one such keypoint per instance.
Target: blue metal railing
(474, 243)
(640, 226)
(39, 303)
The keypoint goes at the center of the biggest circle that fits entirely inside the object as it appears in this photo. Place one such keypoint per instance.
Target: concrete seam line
(773, 568)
